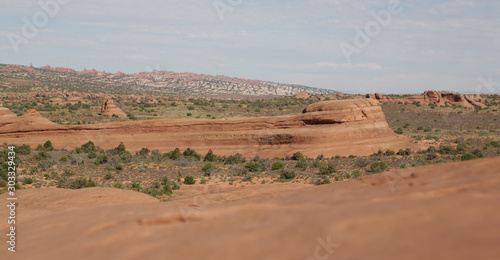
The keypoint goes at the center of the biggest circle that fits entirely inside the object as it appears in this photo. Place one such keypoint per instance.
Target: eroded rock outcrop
(109, 109)
(302, 95)
(5, 112)
(340, 127)
(440, 98)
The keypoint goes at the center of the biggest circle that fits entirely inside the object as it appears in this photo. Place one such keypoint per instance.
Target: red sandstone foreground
(340, 127)
(445, 211)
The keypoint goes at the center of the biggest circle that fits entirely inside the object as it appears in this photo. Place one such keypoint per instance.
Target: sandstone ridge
(342, 127)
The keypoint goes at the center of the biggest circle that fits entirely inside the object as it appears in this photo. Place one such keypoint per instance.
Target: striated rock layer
(5, 112)
(445, 211)
(340, 127)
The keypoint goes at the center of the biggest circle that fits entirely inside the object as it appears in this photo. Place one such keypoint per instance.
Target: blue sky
(440, 45)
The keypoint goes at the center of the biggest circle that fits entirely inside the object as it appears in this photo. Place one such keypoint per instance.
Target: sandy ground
(445, 211)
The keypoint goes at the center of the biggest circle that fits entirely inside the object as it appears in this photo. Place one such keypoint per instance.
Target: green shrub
(431, 156)
(88, 147)
(189, 180)
(119, 167)
(297, 156)
(108, 176)
(64, 159)
(390, 153)
(135, 186)
(278, 165)
(399, 131)
(28, 180)
(234, 159)
(210, 157)
(92, 155)
(355, 174)
(404, 152)
(126, 157)
(377, 167)
(252, 167)
(302, 164)
(287, 174)
(192, 153)
(143, 152)
(23, 149)
(48, 146)
(447, 149)
(77, 183)
(118, 185)
(478, 153)
(362, 162)
(173, 155)
(327, 169)
(316, 163)
(101, 159)
(461, 148)
(208, 169)
(46, 164)
(120, 148)
(432, 149)
(42, 155)
(468, 156)
(68, 172)
(322, 181)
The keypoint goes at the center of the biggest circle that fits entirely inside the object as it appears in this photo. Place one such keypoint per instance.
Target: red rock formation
(303, 95)
(440, 98)
(330, 128)
(32, 121)
(5, 112)
(109, 109)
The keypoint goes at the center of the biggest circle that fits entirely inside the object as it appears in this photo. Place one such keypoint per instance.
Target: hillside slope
(15, 78)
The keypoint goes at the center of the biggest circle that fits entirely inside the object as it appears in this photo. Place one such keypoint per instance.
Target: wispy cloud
(438, 44)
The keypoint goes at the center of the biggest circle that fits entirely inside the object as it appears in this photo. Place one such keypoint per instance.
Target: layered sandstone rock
(330, 128)
(30, 122)
(5, 112)
(382, 98)
(109, 109)
(302, 95)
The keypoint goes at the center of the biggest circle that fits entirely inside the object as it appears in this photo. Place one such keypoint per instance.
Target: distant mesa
(109, 109)
(440, 98)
